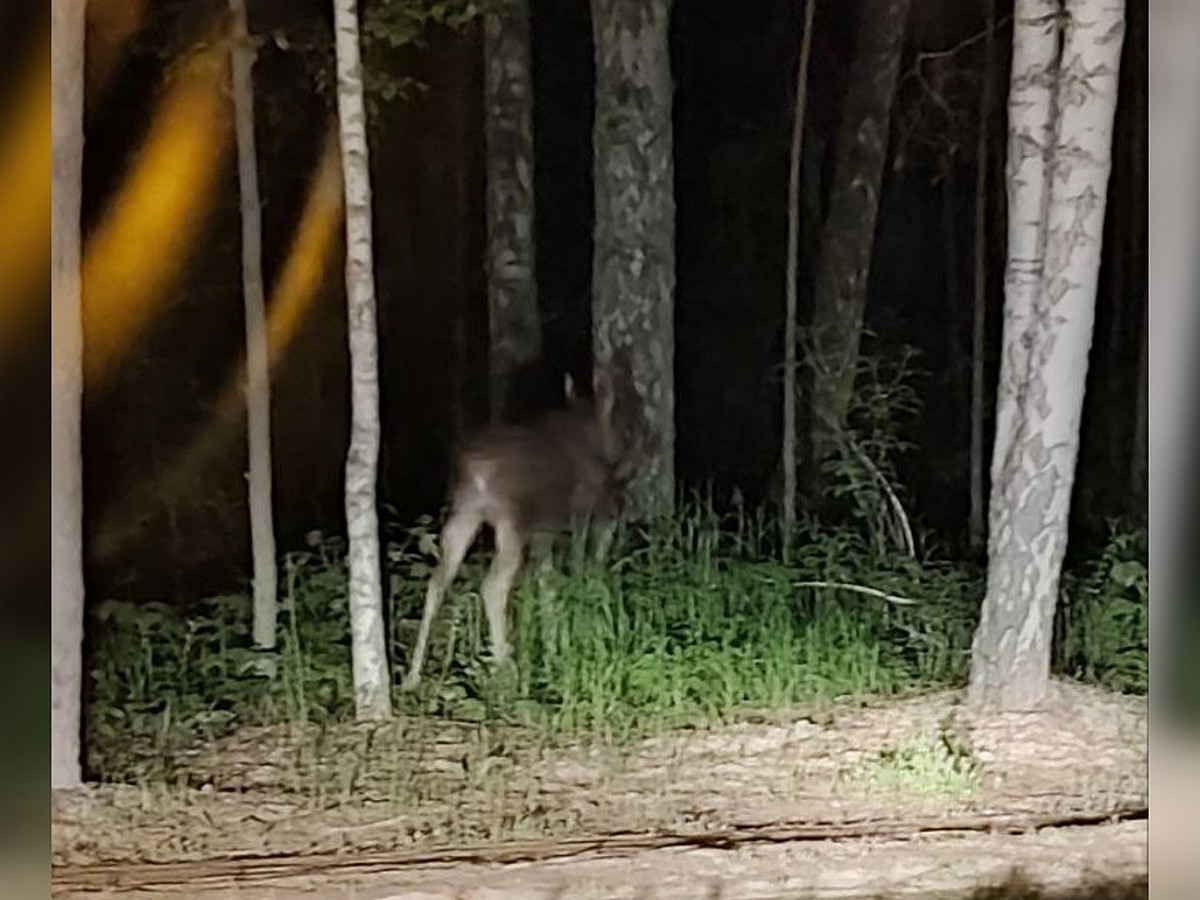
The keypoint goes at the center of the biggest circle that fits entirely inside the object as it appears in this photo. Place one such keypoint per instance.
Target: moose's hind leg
(498, 584)
(541, 551)
(457, 535)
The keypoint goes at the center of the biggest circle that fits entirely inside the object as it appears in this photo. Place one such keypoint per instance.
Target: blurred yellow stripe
(25, 210)
(296, 288)
(141, 245)
(25, 176)
(304, 269)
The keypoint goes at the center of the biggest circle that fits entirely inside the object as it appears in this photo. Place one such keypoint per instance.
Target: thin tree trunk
(633, 280)
(975, 518)
(959, 387)
(1138, 164)
(514, 324)
(458, 238)
(372, 696)
(258, 375)
(1138, 458)
(849, 232)
(460, 418)
(793, 260)
(1031, 496)
(66, 394)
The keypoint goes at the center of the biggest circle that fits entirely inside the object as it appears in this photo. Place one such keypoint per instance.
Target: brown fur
(527, 482)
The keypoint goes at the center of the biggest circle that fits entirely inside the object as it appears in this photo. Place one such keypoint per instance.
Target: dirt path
(1111, 858)
(403, 799)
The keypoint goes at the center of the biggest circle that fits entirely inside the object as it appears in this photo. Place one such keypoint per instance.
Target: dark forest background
(734, 66)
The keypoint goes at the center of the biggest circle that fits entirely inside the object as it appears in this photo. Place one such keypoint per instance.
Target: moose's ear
(602, 389)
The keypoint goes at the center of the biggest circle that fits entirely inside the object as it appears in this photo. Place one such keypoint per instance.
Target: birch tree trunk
(790, 336)
(258, 376)
(514, 325)
(1031, 122)
(66, 394)
(372, 695)
(849, 233)
(1048, 330)
(633, 265)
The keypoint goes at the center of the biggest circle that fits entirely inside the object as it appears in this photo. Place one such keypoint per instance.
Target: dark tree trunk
(976, 535)
(1138, 464)
(514, 324)
(849, 232)
(633, 267)
(956, 354)
(790, 335)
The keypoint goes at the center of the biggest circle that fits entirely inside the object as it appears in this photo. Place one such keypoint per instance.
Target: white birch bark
(372, 696)
(1038, 450)
(513, 321)
(66, 394)
(1030, 141)
(258, 376)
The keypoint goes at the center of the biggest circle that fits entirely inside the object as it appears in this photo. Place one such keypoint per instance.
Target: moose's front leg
(498, 584)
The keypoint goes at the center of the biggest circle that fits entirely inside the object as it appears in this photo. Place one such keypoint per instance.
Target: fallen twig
(869, 591)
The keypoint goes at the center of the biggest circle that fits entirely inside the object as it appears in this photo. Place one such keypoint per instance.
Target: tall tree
(372, 695)
(848, 236)
(633, 264)
(514, 324)
(1139, 455)
(66, 392)
(975, 520)
(1062, 103)
(258, 375)
(791, 286)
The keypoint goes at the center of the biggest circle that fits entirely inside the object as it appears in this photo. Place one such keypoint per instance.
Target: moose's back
(537, 476)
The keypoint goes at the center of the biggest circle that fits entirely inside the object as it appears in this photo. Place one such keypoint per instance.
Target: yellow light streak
(296, 288)
(136, 254)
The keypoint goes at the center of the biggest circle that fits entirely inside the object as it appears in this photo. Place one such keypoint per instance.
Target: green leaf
(1128, 572)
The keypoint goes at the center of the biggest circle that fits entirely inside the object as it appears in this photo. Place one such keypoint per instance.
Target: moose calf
(526, 482)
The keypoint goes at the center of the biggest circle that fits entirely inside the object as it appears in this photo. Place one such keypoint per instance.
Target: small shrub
(1102, 625)
(863, 475)
(929, 764)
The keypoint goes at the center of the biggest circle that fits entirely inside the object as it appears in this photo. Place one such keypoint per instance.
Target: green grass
(695, 623)
(1102, 619)
(927, 764)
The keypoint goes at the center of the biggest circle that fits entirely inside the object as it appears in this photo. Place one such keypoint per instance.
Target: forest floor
(911, 797)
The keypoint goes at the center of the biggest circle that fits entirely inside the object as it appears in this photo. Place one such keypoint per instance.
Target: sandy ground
(394, 812)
